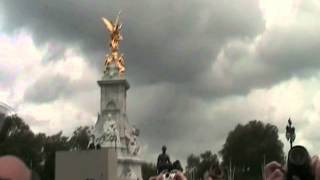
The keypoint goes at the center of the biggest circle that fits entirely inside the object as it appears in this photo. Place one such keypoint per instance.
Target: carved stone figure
(110, 135)
(111, 132)
(131, 135)
(92, 140)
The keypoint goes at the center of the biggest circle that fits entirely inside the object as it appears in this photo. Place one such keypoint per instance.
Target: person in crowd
(12, 168)
(275, 171)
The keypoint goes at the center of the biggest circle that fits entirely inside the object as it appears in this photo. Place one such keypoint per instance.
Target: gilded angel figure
(114, 29)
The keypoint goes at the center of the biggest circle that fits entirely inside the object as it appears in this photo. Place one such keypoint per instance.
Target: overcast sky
(196, 68)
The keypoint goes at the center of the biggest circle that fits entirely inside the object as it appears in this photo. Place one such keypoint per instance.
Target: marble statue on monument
(112, 129)
(131, 135)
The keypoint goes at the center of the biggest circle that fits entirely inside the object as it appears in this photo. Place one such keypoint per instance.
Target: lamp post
(290, 133)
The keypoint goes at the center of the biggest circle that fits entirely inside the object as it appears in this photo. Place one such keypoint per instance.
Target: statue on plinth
(131, 135)
(110, 135)
(163, 162)
(166, 169)
(112, 129)
(111, 132)
(116, 58)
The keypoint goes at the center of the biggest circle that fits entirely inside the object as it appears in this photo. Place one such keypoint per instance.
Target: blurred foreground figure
(215, 173)
(300, 165)
(174, 175)
(274, 170)
(12, 168)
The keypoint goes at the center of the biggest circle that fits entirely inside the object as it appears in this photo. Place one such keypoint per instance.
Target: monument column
(113, 150)
(113, 94)
(113, 107)
(113, 129)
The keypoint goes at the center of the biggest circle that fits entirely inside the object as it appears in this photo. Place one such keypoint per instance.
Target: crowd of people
(12, 168)
(272, 171)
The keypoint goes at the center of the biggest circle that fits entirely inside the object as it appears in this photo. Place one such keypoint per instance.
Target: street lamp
(290, 133)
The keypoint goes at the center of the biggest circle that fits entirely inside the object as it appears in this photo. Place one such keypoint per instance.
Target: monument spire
(115, 59)
(117, 154)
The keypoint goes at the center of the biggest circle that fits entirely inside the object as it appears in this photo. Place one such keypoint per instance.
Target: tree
(37, 150)
(148, 170)
(198, 165)
(17, 139)
(248, 146)
(54, 143)
(207, 160)
(193, 161)
(80, 138)
(2, 119)
(57, 142)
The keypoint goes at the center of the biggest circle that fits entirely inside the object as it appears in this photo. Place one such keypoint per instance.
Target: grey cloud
(6, 78)
(48, 88)
(185, 124)
(169, 48)
(164, 41)
(35, 122)
(167, 41)
(279, 55)
(283, 55)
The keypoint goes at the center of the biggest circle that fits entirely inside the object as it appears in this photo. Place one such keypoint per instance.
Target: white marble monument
(112, 129)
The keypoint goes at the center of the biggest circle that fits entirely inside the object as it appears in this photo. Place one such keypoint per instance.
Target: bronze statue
(163, 162)
(114, 29)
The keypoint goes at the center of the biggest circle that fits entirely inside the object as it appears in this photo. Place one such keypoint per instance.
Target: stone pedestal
(113, 130)
(113, 109)
(86, 165)
(129, 168)
(102, 164)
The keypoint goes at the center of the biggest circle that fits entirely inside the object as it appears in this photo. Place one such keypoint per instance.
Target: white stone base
(129, 168)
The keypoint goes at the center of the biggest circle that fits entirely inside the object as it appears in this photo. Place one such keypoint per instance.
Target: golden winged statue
(114, 29)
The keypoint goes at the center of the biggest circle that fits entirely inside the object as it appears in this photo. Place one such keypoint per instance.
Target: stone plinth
(113, 130)
(113, 107)
(129, 168)
(86, 165)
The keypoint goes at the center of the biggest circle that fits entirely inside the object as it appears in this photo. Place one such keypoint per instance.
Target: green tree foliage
(2, 119)
(207, 160)
(80, 138)
(17, 139)
(248, 146)
(52, 144)
(37, 150)
(148, 170)
(198, 165)
(193, 161)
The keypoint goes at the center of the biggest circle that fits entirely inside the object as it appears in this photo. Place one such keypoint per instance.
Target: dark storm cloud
(167, 115)
(280, 54)
(168, 46)
(53, 86)
(164, 40)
